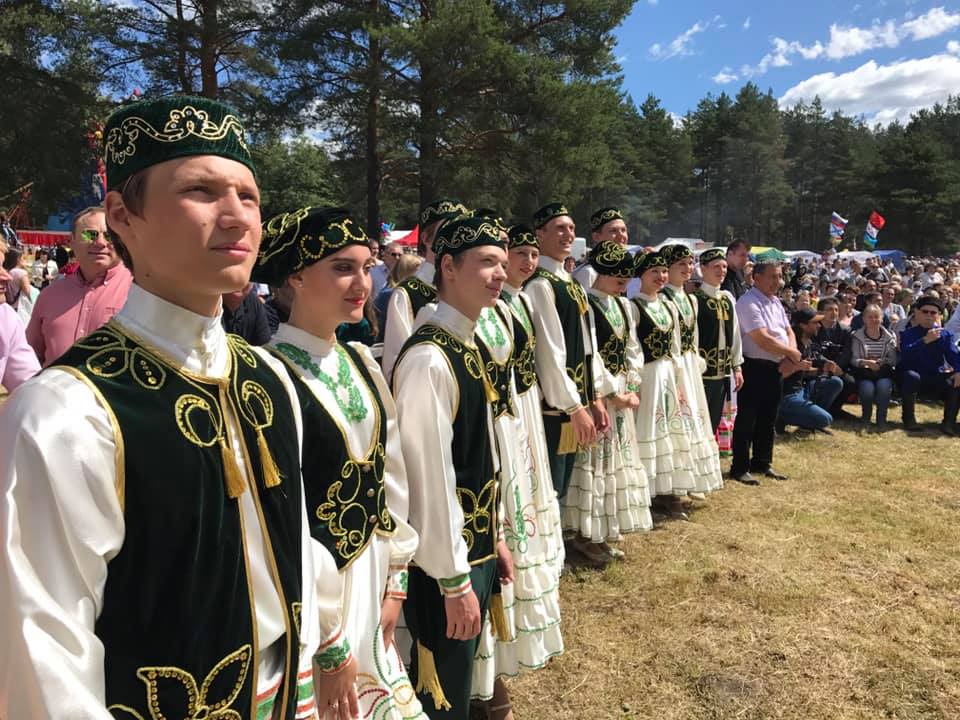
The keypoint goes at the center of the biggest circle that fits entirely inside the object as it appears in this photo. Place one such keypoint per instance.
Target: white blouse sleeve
(736, 347)
(61, 523)
(398, 326)
(551, 352)
(427, 396)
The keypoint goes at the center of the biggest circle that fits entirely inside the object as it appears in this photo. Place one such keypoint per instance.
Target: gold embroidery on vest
(200, 704)
(477, 511)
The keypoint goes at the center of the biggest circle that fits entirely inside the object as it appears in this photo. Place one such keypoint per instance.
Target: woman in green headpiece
(353, 471)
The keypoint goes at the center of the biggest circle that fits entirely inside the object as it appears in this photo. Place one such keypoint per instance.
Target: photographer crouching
(811, 386)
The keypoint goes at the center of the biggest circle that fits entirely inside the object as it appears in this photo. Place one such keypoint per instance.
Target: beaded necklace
(496, 339)
(353, 407)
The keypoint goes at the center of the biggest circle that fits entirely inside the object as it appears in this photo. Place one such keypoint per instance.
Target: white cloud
(848, 40)
(725, 77)
(931, 24)
(882, 93)
(652, 2)
(680, 45)
(746, 23)
(953, 47)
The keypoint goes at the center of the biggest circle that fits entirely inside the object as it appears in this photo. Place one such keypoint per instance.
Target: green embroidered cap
(547, 213)
(675, 253)
(147, 133)
(463, 233)
(602, 216)
(611, 258)
(295, 240)
(442, 209)
(521, 235)
(643, 261)
(490, 214)
(708, 256)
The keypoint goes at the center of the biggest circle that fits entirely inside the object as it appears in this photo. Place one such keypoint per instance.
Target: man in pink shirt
(17, 361)
(76, 305)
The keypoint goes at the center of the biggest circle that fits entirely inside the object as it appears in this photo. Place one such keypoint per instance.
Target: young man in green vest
(415, 293)
(719, 333)
(565, 356)
(158, 560)
(443, 397)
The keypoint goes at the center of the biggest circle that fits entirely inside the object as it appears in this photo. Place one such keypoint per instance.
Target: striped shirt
(873, 348)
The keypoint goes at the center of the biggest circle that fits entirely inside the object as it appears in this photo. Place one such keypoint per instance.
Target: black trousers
(757, 403)
(717, 391)
(561, 466)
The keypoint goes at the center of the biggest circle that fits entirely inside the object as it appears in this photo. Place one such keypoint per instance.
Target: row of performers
(163, 557)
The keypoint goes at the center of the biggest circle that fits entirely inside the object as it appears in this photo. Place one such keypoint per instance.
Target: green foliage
(293, 174)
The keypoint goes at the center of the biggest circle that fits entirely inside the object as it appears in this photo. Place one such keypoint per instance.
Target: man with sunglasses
(78, 304)
(926, 349)
(381, 272)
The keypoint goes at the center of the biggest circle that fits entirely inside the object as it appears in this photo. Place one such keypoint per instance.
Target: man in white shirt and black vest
(443, 398)
(158, 558)
(565, 354)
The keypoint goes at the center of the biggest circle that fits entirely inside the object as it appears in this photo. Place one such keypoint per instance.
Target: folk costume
(415, 293)
(564, 354)
(444, 397)
(718, 337)
(704, 453)
(586, 274)
(661, 430)
(608, 493)
(531, 603)
(354, 477)
(158, 562)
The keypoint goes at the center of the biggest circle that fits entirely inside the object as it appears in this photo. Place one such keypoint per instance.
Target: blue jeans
(807, 407)
(875, 390)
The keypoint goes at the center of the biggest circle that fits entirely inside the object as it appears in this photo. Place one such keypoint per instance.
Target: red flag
(877, 220)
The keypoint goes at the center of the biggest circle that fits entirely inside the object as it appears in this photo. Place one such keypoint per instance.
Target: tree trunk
(373, 129)
(186, 84)
(429, 123)
(209, 33)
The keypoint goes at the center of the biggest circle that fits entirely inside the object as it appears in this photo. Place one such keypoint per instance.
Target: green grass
(833, 595)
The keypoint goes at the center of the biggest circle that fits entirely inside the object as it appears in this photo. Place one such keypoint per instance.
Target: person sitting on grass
(810, 386)
(873, 358)
(924, 348)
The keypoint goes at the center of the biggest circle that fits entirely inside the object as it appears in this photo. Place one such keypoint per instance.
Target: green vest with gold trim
(688, 321)
(178, 622)
(571, 305)
(714, 312)
(498, 374)
(418, 292)
(346, 498)
(612, 348)
(654, 331)
(472, 451)
(524, 344)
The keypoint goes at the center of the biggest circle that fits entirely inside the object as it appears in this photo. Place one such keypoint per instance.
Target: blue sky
(881, 59)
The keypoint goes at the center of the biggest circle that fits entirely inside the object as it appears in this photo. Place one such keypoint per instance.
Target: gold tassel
(568, 439)
(232, 477)
(492, 394)
(427, 680)
(498, 619)
(271, 475)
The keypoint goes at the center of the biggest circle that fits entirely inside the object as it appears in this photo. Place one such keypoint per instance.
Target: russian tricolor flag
(837, 225)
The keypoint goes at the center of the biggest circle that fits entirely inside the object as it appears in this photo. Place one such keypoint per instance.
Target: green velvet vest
(656, 340)
(571, 305)
(524, 344)
(687, 317)
(472, 452)
(612, 349)
(346, 498)
(498, 374)
(419, 293)
(713, 313)
(178, 621)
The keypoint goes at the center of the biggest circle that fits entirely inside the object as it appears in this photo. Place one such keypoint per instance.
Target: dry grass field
(833, 595)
